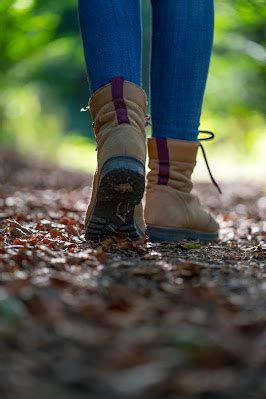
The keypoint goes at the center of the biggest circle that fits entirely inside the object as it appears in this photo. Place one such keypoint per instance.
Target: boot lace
(86, 109)
(147, 119)
(211, 136)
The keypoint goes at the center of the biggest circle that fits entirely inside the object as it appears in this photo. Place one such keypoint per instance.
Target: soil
(120, 319)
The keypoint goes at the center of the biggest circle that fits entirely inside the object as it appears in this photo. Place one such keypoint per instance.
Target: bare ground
(124, 320)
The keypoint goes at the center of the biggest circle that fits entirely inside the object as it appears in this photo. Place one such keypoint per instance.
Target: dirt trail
(124, 320)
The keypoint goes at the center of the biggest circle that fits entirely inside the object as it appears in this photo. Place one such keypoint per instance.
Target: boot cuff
(172, 150)
(117, 91)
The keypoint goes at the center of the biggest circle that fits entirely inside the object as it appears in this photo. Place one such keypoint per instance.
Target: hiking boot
(172, 212)
(118, 113)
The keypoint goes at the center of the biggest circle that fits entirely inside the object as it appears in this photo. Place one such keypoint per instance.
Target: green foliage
(43, 82)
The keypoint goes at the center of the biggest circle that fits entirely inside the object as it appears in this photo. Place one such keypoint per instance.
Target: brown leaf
(54, 233)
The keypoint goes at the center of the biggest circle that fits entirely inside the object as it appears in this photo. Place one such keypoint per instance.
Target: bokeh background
(43, 85)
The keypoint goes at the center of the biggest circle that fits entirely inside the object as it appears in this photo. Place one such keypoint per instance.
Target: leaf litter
(122, 319)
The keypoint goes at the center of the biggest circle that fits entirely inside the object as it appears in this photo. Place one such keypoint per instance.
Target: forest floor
(122, 320)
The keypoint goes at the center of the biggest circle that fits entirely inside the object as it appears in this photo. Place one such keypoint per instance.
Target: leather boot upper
(118, 112)
(169, 201)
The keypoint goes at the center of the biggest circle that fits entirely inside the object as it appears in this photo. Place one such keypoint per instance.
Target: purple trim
(164, 165)
(118, 100)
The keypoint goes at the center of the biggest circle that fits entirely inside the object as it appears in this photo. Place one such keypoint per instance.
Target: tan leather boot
(118, 112)
(172, 213)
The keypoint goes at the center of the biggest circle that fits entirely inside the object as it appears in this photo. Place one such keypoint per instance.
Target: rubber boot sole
(168, 234)
(121, 188)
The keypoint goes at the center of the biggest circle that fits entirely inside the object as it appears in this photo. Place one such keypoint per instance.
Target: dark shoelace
(211, 137)
(147, 119)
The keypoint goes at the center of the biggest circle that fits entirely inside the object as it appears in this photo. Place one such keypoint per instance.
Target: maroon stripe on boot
(118, 100)
(164, 165)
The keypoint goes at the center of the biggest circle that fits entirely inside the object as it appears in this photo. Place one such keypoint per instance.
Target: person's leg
(181, 48)
(111, 34)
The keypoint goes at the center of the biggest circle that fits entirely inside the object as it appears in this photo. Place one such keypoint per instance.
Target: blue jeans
(182, 36)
